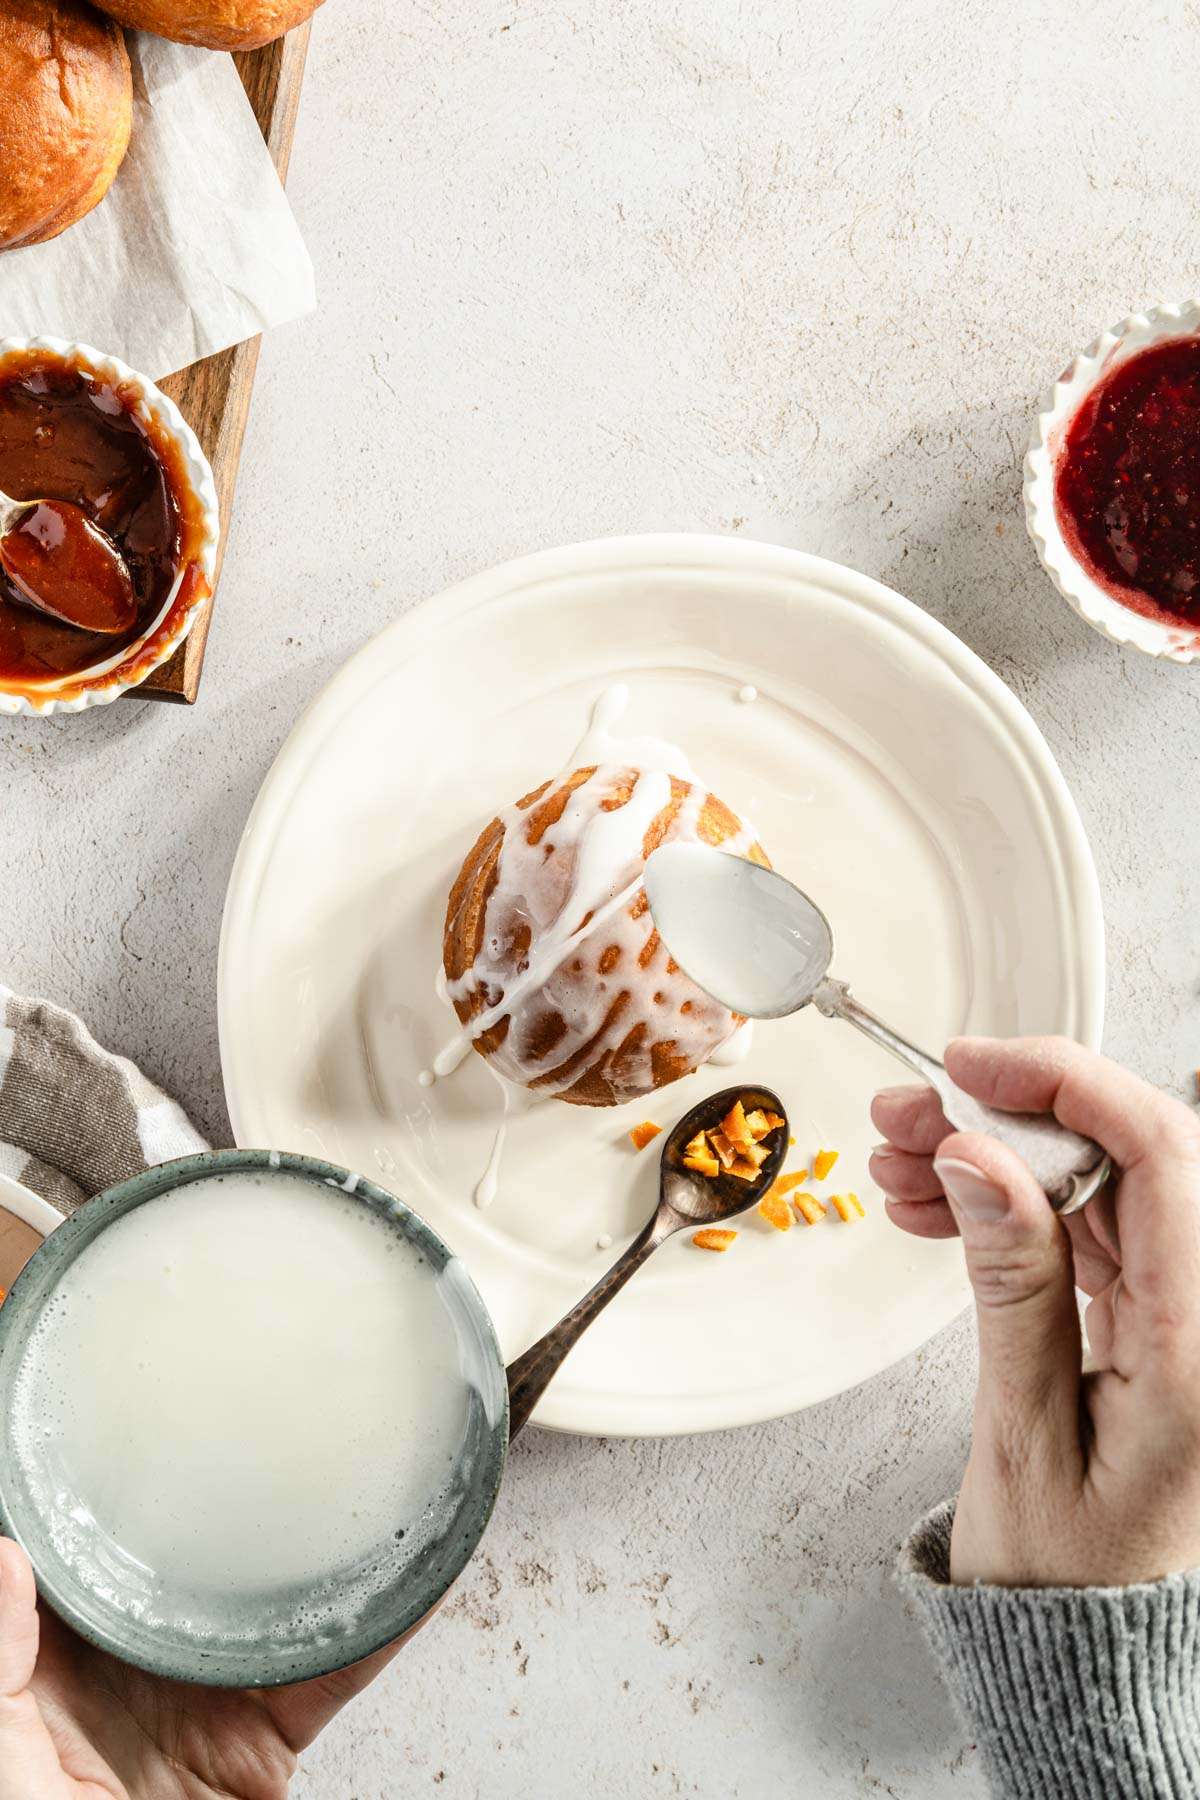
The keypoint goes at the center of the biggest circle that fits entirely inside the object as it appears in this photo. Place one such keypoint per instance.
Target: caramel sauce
(67, 434)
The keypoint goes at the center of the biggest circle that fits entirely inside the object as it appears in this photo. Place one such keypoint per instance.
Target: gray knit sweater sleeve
(1070, 1693)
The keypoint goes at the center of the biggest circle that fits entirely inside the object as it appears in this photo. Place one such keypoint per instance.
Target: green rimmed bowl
(417, 1579)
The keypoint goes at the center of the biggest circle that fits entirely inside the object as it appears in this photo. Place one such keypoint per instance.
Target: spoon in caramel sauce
(60, 562)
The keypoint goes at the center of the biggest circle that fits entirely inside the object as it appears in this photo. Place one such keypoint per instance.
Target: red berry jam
(1127, 483)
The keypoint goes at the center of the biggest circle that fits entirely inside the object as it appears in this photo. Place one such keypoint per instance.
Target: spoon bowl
(686, 1200)
(743, 932)
(61, 563)
(697, 1199)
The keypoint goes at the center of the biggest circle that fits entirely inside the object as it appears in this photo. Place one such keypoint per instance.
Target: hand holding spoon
(686, 1201)
(752, 940)
(62, 563)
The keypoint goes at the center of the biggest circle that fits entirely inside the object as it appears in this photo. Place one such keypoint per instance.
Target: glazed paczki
(66, 106)
(217, 24)
(550, 956)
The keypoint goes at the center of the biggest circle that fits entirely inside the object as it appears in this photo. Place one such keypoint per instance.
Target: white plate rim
(654, 554)
(27, 1206)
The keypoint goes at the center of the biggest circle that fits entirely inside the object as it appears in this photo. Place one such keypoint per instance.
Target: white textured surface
(619, 265)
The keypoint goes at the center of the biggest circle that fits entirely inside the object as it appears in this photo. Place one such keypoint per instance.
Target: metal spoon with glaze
(754, 941)
(686, 1201)
(61, 563)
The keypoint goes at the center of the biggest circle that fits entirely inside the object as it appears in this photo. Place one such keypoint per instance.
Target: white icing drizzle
(452, 1053)
(576, 903)
(735, 1049)
(599, 745)
(489, 1181)
(512, 1100)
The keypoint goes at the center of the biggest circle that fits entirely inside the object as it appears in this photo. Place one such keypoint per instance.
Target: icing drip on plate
(735, 1049)
(488, 1183)
(599, 744)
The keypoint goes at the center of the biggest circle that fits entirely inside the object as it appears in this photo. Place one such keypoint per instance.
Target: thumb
(18, 1621)
(1019, 1261)
(28, 1761)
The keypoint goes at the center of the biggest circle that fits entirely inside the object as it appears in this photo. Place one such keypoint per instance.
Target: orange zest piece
(713, 1238)
(723, 1148)
(643, 1134)
(734, 1147)
(823, 1161)
(742, 1164)
(744, 1169)
(848, 1206)
(708, 1166)
(700, 1156)
(786, 1183)
(736, 1126)
(776, 1211)
(809, 1208)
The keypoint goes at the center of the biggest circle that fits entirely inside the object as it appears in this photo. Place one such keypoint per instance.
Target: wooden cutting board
(214, 394)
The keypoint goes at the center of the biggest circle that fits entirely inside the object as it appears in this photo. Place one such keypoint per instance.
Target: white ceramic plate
(887, 770)
(25, 1218)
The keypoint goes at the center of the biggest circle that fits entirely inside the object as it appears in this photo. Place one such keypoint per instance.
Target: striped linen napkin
(74, 1118)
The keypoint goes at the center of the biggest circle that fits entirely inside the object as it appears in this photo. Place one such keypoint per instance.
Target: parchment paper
(194, 247)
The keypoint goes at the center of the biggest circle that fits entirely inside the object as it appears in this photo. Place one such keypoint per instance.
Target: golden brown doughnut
(66, 105)
(217, 24)
(615, 1018)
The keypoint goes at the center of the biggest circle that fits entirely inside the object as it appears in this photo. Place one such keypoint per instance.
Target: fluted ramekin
(1102, 611)
(194, 577)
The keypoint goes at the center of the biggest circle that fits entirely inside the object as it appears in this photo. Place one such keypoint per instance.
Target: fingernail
(969, 1190)
(894, 1093)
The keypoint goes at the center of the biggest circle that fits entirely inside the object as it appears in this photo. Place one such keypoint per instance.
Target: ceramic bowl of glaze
(1121, 624)
(252, 1649)
(191, 481)
(25, 1219)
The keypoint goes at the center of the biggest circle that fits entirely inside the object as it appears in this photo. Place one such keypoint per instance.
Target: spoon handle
(11, 512)
(1071, 1168)
(530, 1375)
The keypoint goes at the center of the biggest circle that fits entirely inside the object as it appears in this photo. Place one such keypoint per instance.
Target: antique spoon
(62, 563)
(754, 941)
(686, 1201)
